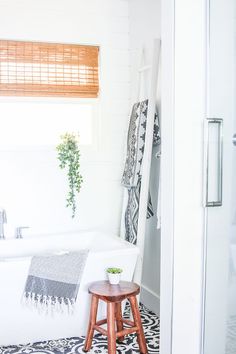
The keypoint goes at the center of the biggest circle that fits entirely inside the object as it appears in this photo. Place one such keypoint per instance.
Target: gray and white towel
(132, 175)
(53, 281)
(136, 143)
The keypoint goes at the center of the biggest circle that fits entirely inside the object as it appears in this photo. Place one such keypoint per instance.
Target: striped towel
(53, 281)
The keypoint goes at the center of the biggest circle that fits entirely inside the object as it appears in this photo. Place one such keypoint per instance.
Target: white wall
(32, 188)
(145, 25)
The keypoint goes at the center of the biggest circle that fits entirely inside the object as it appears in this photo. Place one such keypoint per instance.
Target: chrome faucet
(18, 232)
(3, 220)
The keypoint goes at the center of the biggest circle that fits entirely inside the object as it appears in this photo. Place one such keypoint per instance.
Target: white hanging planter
(114, 275)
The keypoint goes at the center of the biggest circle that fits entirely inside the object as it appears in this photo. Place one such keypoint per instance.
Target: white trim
(204, 261)
(189, 113)
(27, 39)
(150, 299)
(173, 328)
(167, 175)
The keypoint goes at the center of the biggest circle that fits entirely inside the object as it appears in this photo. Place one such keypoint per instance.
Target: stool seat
(113, 293)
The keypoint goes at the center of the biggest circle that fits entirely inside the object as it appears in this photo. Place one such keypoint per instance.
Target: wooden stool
(113, 295)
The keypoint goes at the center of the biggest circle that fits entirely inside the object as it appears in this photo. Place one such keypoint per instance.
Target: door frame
(184, 64)
(167, 174)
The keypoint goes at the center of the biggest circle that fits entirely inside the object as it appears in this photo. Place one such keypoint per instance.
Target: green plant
(69, 157)
(114, 270)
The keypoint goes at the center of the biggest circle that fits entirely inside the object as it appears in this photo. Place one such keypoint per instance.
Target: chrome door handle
(216, 202)
(234, 139)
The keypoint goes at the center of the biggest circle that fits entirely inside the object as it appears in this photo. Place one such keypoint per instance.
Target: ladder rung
(100, 329)
(126, 331)
(128, 322)
(144, 68)
(99, 323)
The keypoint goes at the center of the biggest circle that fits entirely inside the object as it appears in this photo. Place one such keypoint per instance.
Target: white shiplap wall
(32, 188)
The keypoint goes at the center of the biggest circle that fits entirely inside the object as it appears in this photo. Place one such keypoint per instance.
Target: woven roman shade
(48, 69)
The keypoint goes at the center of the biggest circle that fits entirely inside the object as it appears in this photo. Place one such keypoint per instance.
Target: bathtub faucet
(3, 220)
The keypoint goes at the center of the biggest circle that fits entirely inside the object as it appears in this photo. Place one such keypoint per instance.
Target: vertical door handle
(217, 177)
(234, 139)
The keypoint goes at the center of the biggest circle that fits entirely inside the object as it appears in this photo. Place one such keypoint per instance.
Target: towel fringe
(46, 303)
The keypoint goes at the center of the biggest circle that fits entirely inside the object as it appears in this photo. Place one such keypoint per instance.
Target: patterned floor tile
(151, 325)
(231, 335)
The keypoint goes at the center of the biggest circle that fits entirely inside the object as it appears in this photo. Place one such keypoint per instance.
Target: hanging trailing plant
(69, 157)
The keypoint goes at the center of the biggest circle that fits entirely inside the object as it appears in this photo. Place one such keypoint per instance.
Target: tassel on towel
(53, 282)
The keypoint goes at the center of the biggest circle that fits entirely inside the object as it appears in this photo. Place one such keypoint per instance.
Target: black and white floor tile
(151, 326)
(231, 335)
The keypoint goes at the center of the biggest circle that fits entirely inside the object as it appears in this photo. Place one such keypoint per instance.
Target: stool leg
(111, 330)
(138, 323)
(119, 323)
(92, 321)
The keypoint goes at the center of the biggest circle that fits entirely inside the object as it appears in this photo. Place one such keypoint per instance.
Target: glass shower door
(220, 181)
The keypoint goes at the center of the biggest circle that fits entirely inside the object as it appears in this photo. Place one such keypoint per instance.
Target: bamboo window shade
(48, 69)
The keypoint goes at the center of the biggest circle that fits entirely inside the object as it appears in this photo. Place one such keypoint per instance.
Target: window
(48, 69)
(34, 124)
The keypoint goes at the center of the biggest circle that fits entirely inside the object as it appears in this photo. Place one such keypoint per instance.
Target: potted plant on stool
(114, 275)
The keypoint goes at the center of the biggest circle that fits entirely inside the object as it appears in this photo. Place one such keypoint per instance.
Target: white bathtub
(19, 325)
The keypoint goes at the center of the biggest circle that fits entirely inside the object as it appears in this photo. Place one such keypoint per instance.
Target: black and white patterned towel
(132, 175)
(136, 143)
(53, 281)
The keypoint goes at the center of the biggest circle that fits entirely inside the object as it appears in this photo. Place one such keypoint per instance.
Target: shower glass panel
(220, 181)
